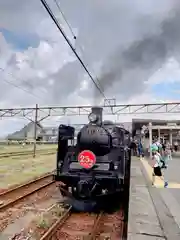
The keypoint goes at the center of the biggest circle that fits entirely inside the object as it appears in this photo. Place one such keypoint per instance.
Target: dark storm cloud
(66, 80)
(131, 40)
(138, 62)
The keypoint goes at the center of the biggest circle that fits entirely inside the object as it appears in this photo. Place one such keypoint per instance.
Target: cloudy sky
(132, 46)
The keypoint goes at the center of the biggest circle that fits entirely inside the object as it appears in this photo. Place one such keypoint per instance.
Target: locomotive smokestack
(98, 111)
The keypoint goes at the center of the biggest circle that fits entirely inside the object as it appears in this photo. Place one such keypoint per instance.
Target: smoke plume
(133, 66)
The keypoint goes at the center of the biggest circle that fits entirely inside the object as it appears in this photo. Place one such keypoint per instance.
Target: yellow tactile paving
(158, 182)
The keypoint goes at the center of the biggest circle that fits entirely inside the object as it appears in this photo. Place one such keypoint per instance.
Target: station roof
(155, 121)
(138, 123)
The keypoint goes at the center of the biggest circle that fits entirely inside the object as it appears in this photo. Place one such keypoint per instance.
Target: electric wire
(74, 36)
(16, 85)
(65, 19)
(46, 6)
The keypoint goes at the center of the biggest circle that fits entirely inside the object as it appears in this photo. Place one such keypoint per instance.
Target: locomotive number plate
(86, 159)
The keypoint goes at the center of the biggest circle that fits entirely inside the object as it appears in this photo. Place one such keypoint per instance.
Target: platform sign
(86, 159)
(171, 124)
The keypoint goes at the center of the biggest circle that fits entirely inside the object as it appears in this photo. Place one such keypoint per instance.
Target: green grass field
(17, 170)
(19, 148)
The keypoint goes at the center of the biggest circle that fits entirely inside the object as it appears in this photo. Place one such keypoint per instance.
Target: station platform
(153, 214)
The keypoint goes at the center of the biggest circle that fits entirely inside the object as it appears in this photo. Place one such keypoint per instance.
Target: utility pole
(35, 130)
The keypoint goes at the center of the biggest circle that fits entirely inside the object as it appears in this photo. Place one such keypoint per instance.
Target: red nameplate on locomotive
(86, 159)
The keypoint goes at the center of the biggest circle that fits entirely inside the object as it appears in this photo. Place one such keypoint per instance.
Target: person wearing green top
(158, 164)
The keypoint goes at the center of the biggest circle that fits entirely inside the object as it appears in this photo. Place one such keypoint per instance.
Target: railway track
(25, 153)
(13, 196)
(90, 226)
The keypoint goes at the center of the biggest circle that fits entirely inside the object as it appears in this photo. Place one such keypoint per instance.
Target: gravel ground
(16, 171)
(19, 218)
(41, 223)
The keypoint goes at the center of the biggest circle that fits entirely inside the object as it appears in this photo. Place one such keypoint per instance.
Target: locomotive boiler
(94, 169)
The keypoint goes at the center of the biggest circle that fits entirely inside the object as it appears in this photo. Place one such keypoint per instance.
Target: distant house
(26, 133)
(43, 133)
(48, 133)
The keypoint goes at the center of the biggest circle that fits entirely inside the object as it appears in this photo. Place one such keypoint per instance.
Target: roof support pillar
(150, 138)
(159, 134)
(170, 137)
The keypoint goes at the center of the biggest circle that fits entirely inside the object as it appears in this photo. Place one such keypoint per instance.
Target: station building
(150, 128)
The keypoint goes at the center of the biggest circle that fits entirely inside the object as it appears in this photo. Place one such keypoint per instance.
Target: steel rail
(64, 219)
(93, 234)
(52, 230)
(23, 191)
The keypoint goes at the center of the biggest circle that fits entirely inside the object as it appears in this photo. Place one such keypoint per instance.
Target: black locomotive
(97, 166)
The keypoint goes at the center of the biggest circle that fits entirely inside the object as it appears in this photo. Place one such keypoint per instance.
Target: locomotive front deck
(106, 179)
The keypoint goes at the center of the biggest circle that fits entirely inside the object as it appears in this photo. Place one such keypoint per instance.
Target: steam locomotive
(93, 170)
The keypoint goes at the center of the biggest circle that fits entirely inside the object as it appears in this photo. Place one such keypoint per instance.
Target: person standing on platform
(175, 146)
(169, 151)
(159, 145)
(164, 146)
(157, 164)
(133, 147)
(140, 149)
(165, 166)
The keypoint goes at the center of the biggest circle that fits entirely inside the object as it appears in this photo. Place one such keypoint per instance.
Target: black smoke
(134, 65)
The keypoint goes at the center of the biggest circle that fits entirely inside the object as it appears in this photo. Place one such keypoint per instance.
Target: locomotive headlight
(93, 117)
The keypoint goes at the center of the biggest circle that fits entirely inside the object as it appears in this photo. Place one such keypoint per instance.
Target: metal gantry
(114, 109)
(38, 114)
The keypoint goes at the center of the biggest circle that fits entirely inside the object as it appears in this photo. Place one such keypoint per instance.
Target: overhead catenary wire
(46, 6)
(65, 19)
(16, 85)
(73, 34)
(21, 80)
